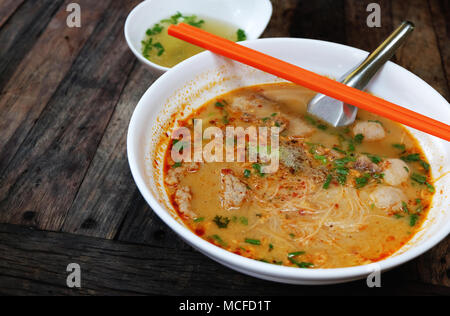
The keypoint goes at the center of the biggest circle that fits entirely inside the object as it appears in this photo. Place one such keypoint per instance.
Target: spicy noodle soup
(341, 196)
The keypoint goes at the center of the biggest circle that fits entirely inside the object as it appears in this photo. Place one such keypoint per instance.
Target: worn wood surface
(66, 97)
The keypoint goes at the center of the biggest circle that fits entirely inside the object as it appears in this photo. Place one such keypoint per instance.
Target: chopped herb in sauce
(219, 104)
(243, 220)
(401, 147)
(362, 181)
(374, 158)
(219, 240)
(411, 157)
(241, 36)
(358, 138)
(327, 183)
(257, 167)
(255, 242)
(413, 218)
(419, 178)
(405, 207)
(221, 222)
(321, 158)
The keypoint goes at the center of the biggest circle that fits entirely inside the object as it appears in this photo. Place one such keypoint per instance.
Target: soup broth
(341, 196)
(165, 50)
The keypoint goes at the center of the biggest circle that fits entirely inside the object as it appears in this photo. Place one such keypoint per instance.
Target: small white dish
(250, 15)
(206, 75)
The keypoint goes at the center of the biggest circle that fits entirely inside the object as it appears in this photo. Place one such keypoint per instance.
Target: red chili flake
(200, 231)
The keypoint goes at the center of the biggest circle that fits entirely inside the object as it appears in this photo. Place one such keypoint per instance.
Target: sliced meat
(395, 171)
(233, 190)
(174, 175)
(371, 131)
(183, 199)
(254, 105)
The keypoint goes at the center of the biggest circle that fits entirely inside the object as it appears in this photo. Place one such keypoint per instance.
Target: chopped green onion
(221, 222)
(322, 159)
(401, 147)
(241, 36)
(218, 239)
(176, 165)
(413, 218)
(326, 185)
(256, 242)
(419, 178)
(362, 181)
(405, 207)
(411, 157)
(358, 138)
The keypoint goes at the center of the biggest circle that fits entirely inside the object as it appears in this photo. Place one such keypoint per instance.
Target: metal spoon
(336, 112)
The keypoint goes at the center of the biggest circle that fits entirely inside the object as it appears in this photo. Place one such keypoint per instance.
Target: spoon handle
(361, 75)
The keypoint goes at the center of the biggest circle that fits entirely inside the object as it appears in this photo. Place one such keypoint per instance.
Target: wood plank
(440, 16)
(319, 19)
(108, 191)
(38, 75)
(143, 226)
(40, 184)
(34, 262)
(282, 16)
(7, 8)
(18, 36)
(358, 34)
(421, 53)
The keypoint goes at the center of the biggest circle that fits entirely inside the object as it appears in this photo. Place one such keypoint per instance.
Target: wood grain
(18, 36)
(282, 16)
(34, 262)
(440, 12)
(7, 8)
(44, 176)
(108, 190)
(37, 77)
(420, 54)
(320, 19)
(143, 226)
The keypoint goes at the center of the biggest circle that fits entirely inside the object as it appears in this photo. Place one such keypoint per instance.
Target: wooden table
(66, 193)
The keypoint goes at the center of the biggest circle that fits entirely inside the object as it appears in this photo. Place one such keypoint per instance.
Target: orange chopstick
(309, 79)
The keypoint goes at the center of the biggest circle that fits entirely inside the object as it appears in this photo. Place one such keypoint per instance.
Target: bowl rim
(156, 66)
(242, 263)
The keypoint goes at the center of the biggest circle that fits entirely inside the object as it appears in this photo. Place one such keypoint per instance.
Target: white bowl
(250, 15)
(189, 84)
